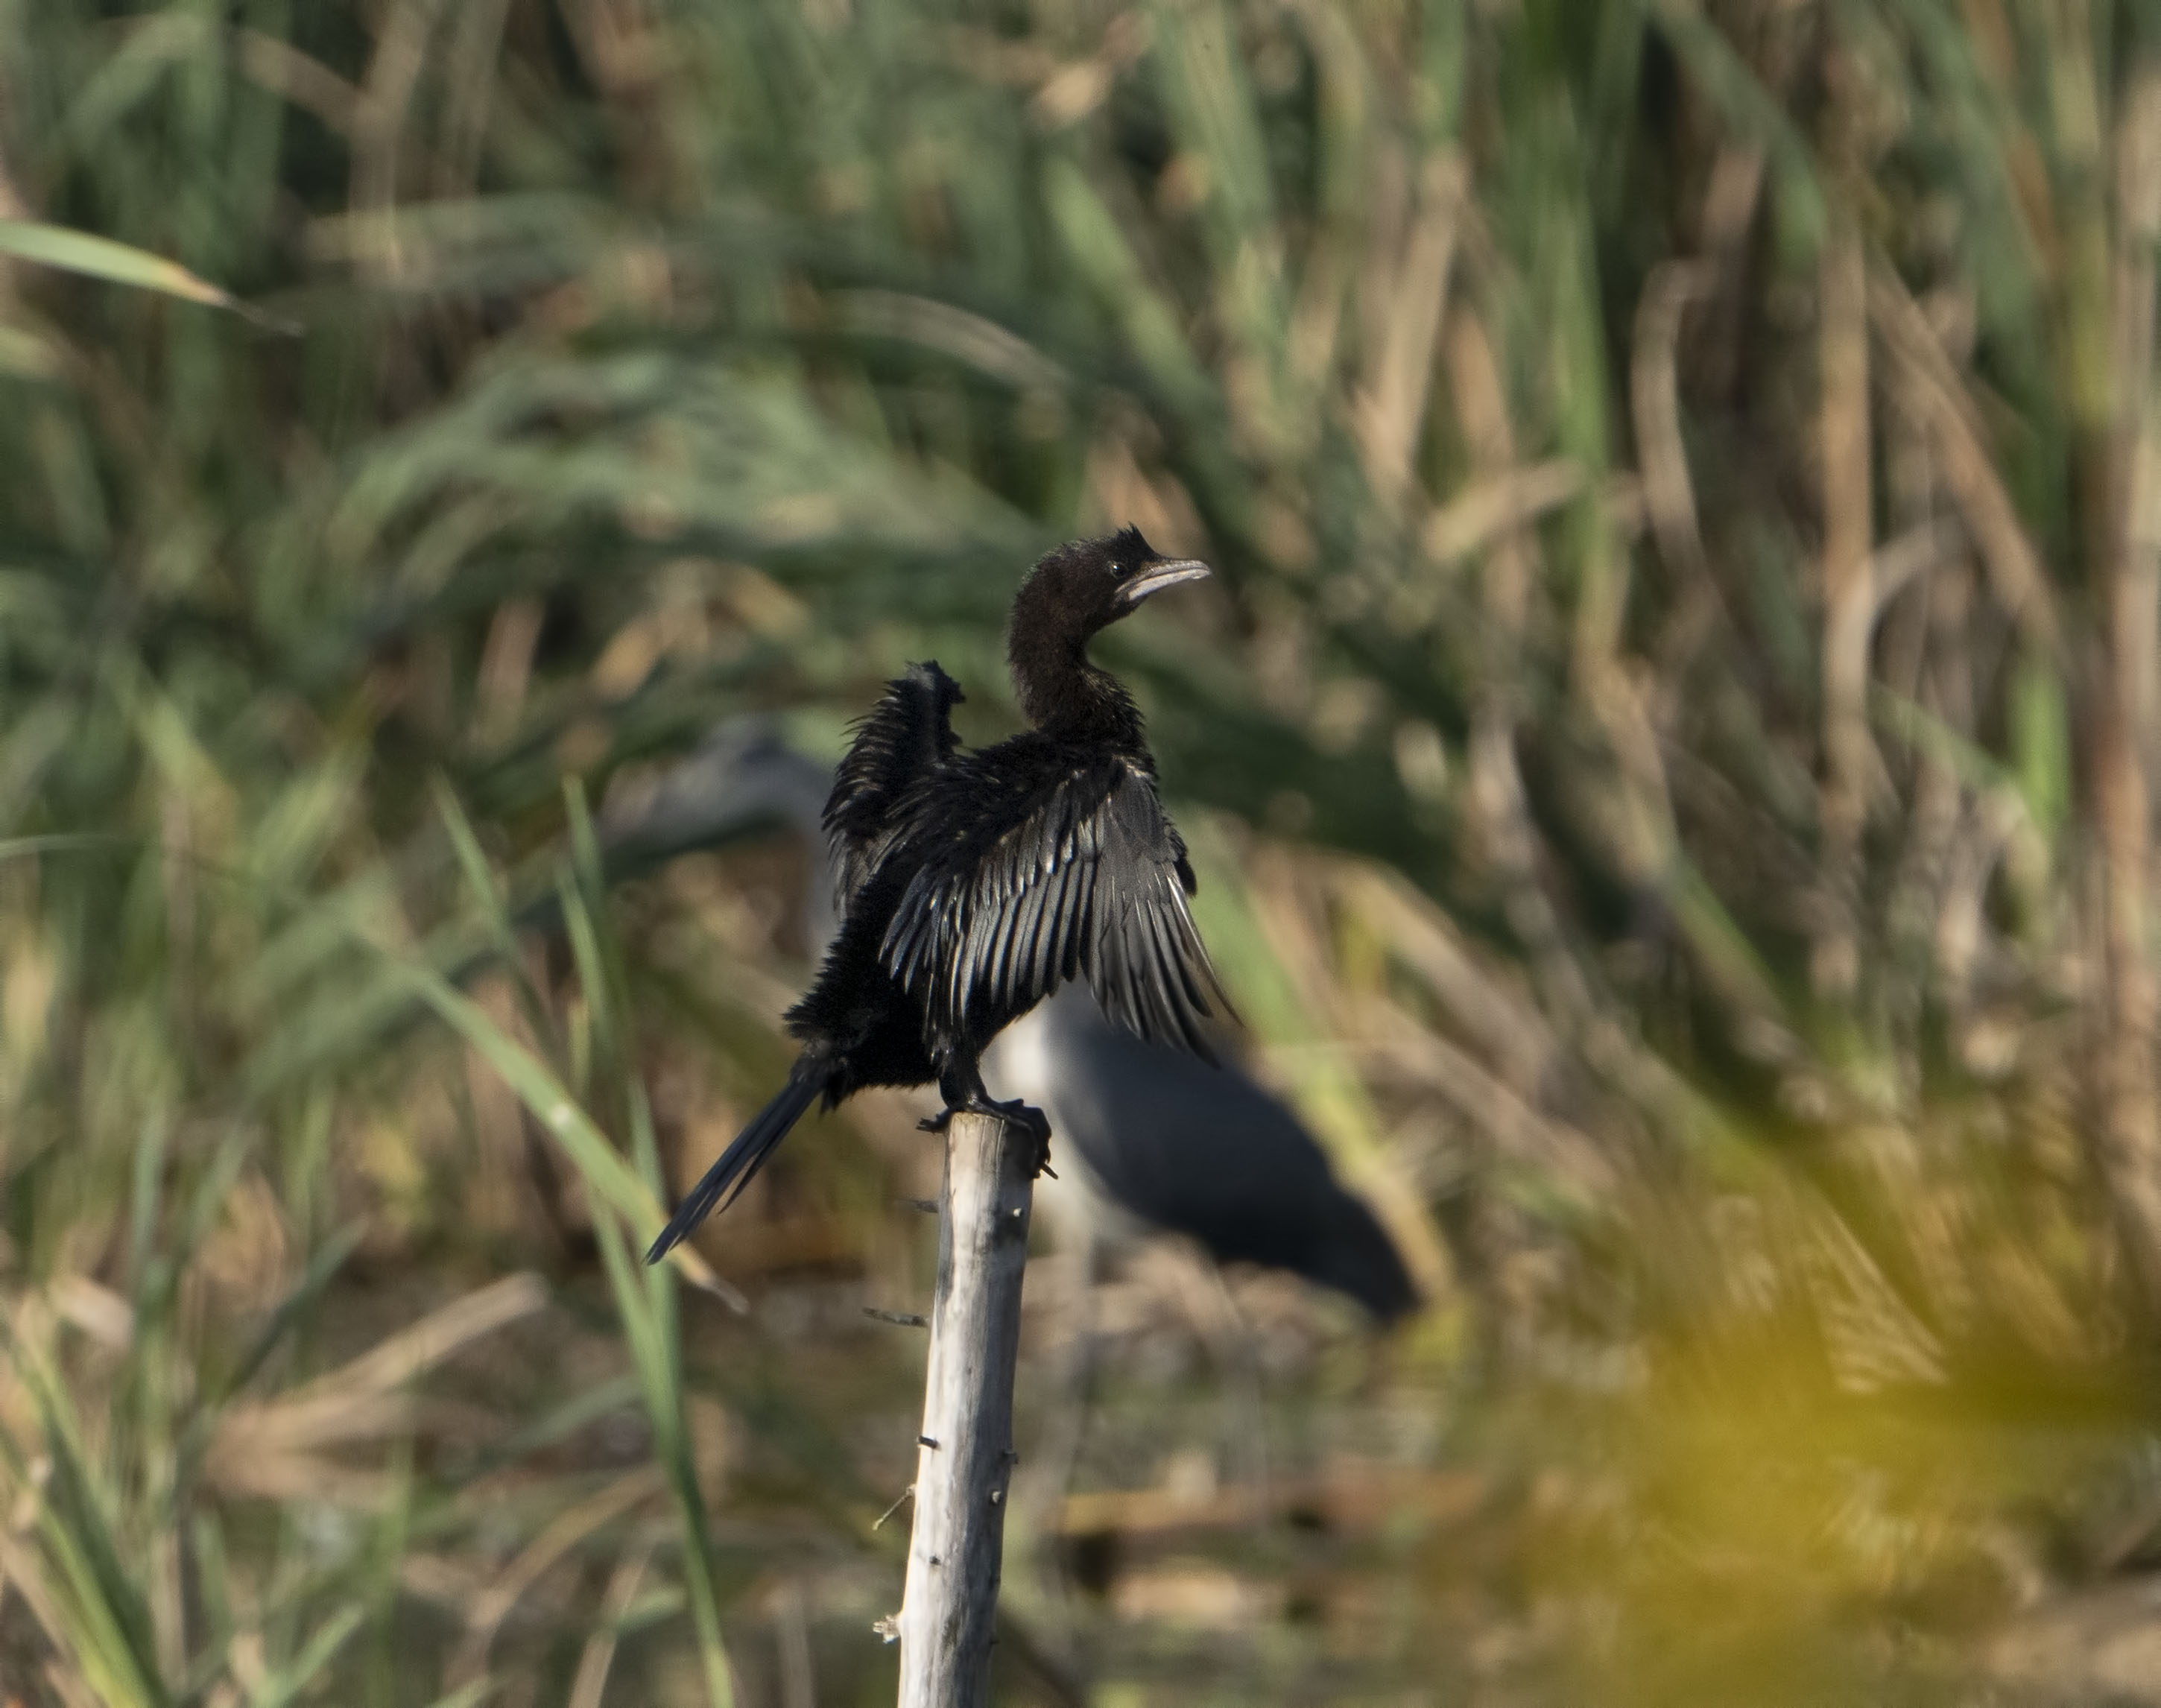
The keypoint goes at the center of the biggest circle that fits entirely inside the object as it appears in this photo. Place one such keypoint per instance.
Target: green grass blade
(94, 257)
(306, 1668)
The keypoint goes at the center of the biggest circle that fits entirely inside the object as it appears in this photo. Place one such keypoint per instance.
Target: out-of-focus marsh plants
(1671, 752)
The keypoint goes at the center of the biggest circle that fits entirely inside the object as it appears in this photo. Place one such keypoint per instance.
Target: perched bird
(1178, 1145)
(974, 883)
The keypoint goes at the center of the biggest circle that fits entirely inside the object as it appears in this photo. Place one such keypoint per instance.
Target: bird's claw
(1028, 1118)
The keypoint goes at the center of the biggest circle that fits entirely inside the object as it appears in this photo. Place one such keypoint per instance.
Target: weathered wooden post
(965, 1459)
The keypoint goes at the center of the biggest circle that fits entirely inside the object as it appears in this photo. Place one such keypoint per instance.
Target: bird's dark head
(1089, 584)
(1070, 594)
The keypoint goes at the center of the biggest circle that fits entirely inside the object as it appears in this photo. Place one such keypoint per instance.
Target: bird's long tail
(744, 1157)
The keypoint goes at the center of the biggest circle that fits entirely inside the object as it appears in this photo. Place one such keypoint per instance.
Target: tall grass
(1673, 753)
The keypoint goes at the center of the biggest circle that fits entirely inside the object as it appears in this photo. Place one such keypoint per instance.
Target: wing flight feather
(1088, 881)
(900, 741)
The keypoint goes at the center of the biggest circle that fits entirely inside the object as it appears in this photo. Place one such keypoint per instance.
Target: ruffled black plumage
(905, 737)
(859, 1026)
(1043, 861)
(972, 885)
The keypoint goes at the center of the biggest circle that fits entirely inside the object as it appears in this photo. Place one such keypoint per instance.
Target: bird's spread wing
(903, 738)
(1026, 883)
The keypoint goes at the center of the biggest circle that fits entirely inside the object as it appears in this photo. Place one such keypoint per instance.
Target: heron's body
(1163, 1141)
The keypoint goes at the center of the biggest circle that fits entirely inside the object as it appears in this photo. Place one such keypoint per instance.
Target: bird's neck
(1066, 697)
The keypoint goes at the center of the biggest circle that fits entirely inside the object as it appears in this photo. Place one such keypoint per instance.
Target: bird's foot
(1014, 1112)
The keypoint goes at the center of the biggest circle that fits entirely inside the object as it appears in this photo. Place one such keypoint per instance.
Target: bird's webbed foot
(1013, 1112)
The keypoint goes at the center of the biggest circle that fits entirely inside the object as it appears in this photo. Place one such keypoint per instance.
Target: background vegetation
(1671, 745)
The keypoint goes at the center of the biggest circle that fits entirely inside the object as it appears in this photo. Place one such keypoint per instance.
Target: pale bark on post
(964, 1467)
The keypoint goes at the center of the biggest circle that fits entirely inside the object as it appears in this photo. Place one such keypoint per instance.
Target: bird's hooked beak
(1160, 575)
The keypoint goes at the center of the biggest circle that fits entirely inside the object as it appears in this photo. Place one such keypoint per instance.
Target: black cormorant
(974, 883)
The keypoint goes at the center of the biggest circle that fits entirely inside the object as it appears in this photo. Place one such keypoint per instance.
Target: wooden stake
(949, 1611)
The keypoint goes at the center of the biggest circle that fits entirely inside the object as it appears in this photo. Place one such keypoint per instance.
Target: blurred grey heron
(1177, 1144)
